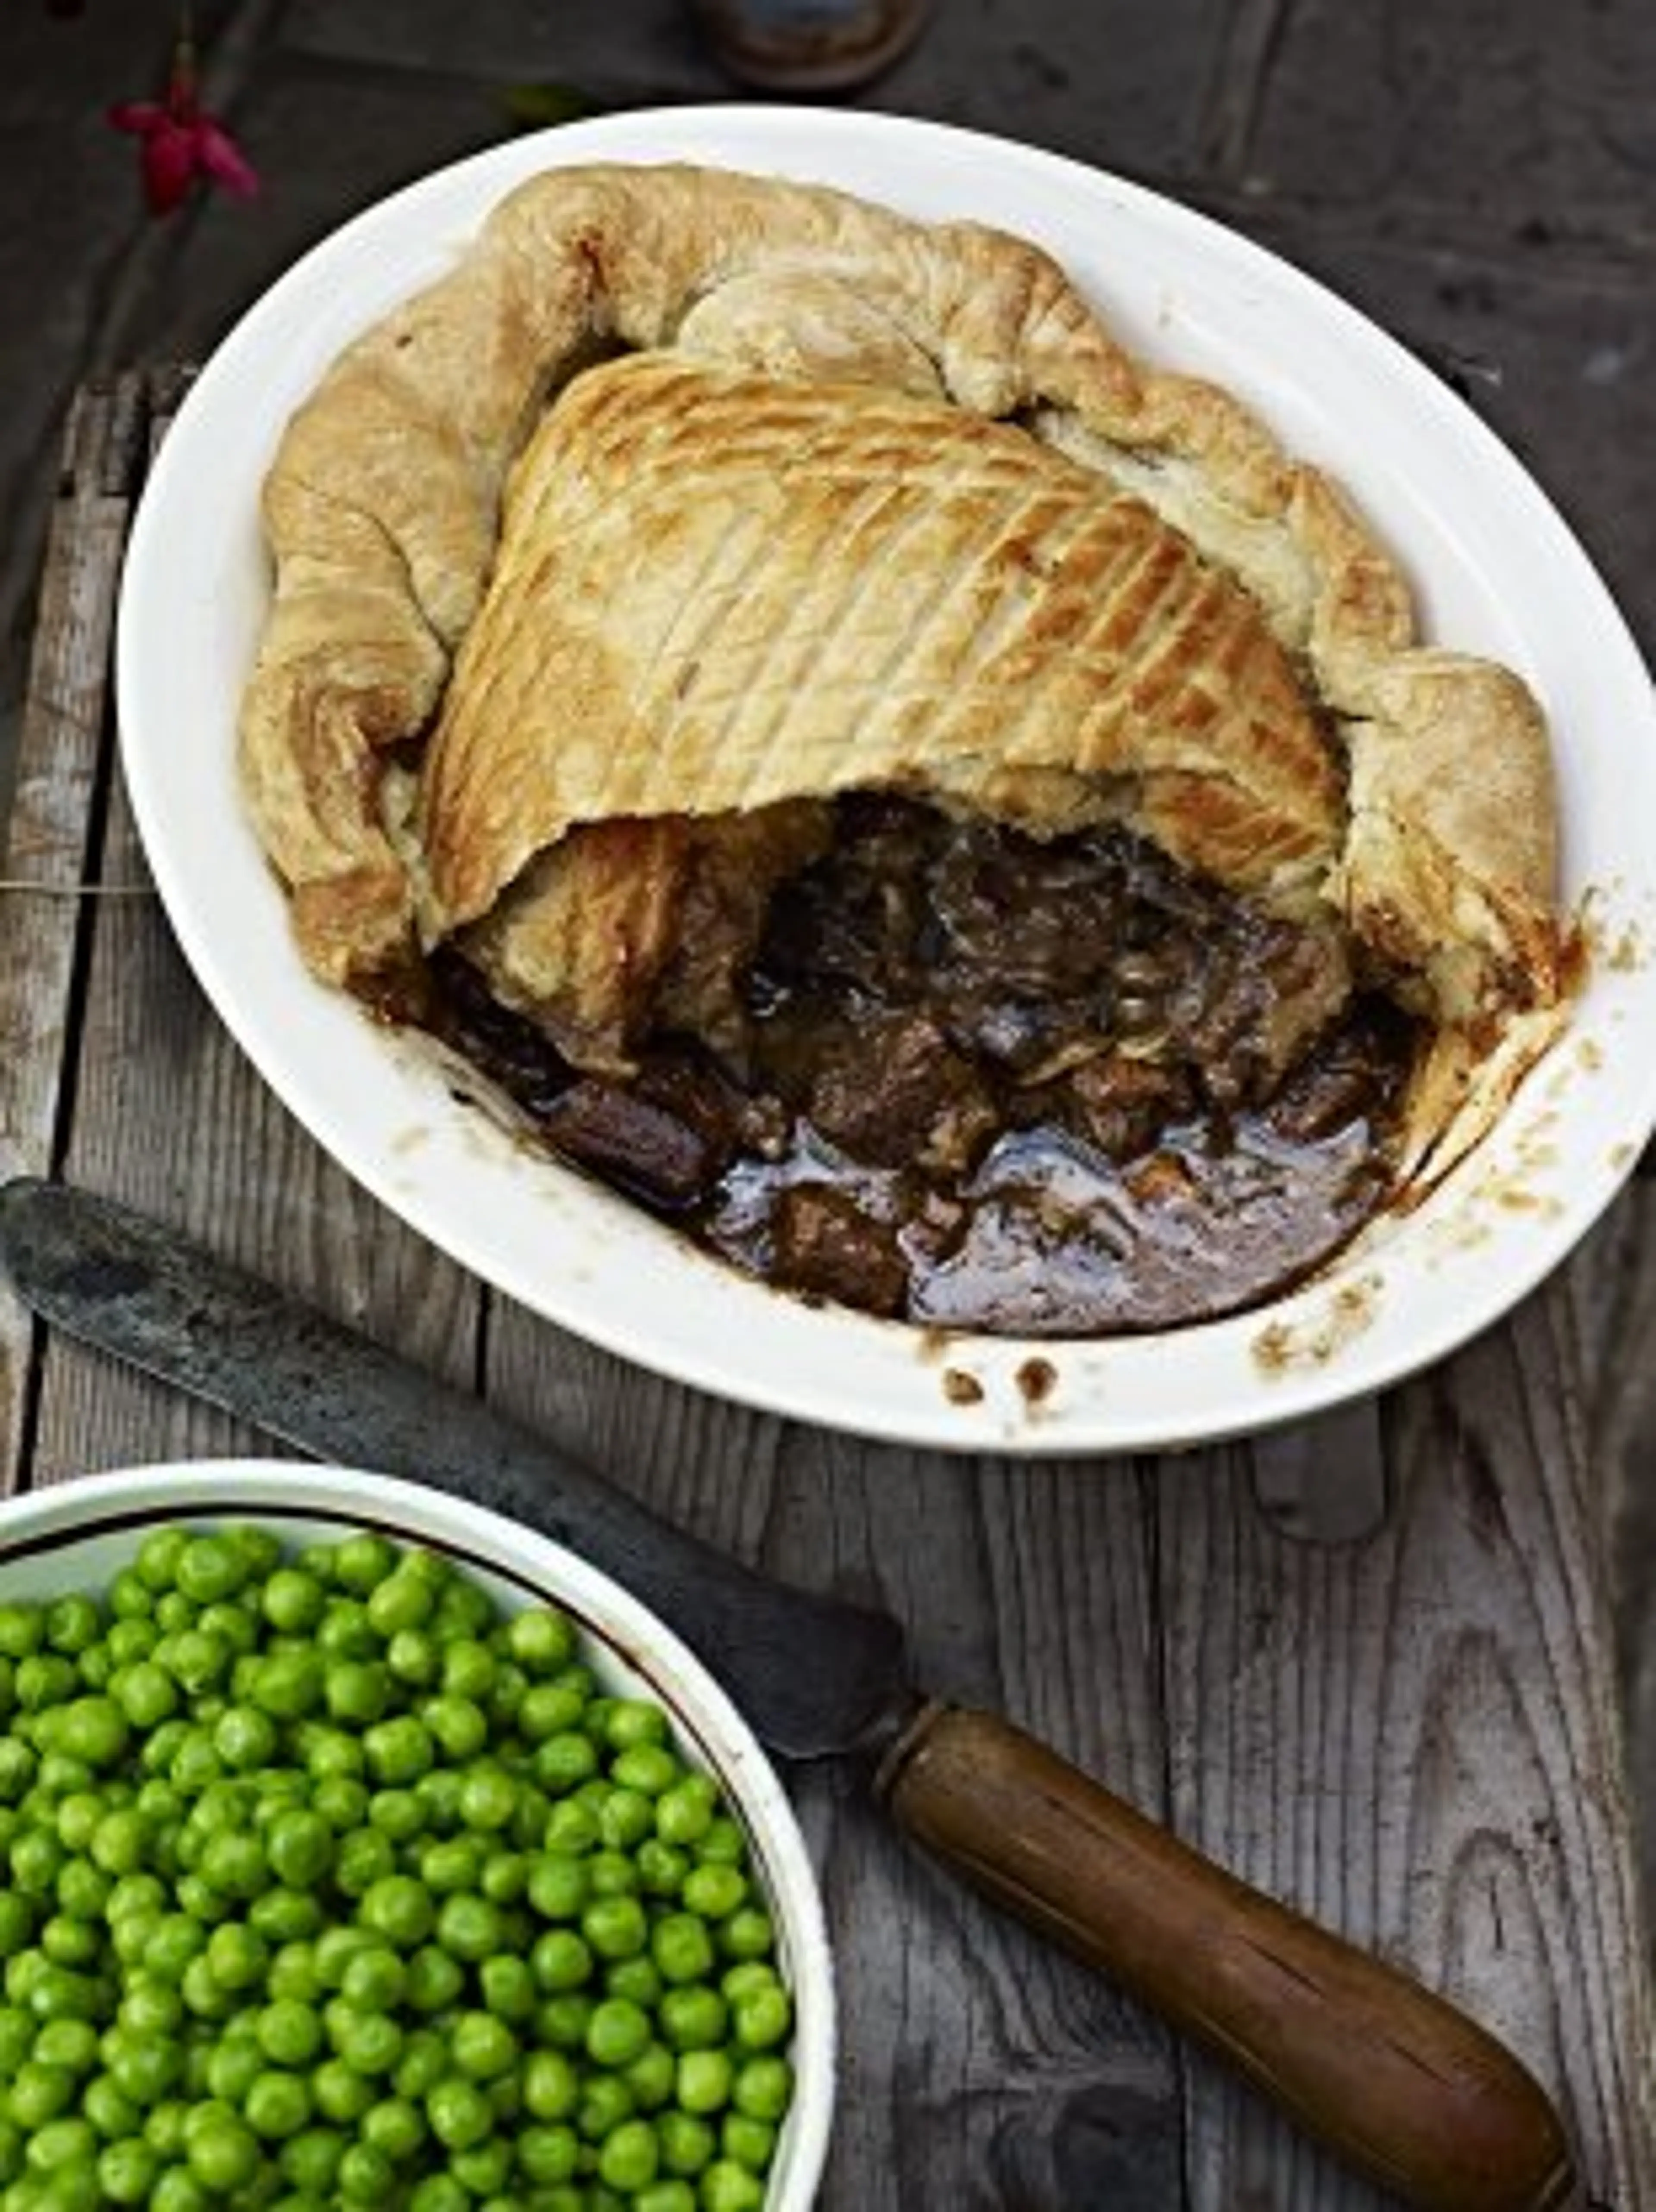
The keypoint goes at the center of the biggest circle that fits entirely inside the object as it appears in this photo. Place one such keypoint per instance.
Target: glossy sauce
(990, 1083)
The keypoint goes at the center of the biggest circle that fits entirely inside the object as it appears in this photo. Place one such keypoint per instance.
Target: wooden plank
(62, 770)
(1612, 1284)
(227, 1161)
(1415, 1740)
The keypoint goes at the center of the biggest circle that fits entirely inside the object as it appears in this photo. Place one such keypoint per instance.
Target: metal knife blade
(812, 1675)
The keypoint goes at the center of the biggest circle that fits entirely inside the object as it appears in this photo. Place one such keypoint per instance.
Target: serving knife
(1401, 2084)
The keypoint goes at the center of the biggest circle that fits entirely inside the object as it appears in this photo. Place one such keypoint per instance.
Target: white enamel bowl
(73, 1536)
(1497, 572)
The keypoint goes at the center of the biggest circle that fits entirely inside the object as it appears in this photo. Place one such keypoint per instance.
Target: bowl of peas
(359, 1847)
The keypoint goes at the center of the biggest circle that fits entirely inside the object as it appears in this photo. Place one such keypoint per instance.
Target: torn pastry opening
(927, 1066)
(957, 820)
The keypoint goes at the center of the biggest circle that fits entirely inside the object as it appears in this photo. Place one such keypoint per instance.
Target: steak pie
(952, 814)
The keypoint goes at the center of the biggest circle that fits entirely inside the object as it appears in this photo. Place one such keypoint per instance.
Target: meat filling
(960, 1076)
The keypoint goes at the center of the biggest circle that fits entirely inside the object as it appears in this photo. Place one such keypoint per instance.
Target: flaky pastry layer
(957, 391)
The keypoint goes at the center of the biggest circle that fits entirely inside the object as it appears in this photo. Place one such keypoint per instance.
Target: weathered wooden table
(1367, 1662)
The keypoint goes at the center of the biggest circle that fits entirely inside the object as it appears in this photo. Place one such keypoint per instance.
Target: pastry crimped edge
(382, 510)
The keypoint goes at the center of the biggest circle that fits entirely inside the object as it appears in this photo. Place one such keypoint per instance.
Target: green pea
(625, 1819)
(695, 2019)
(617, 2032)
(688, 2144)
(749, 2143)
(362, 1561)
(423, 2063)
(375, 1978)
(310, 2160)
(634, 1978)
(129, 1598)
(397, 1813)
(508, 1987)
(705, 2081)
(547, 2156)
(260, 1550)
(276, 2106)
(630, 2157)
(244, 1738)
(728, 2187)
(441, 2192)
(235, 1957)
(468, 1926)
(399, 1750)
(127, 2170)
(724, 1843)
(288, 1685)
(459, 2114)
(481, 2046)
(486, 2167)
(222, 2149)
(714, 1890)
(143, 2070)
(669, 2196)
(232, 2068)
(684, 1812)
(289, 2031)
(364, 1857)
(342, 1801)
(761, 2021)
(285, 1916)
(649, 1768)
(560, 2019)
(563, 1761)
(395, 2127)
(605, 2102)
(434, 1979)
(292, 1601)
(112, 2114)
(616, 1927)
(341, 2092)
(560, 1961)
(120, 1841)
(210, 1567)
(235, 1865)
(630, 1721)
(681, 1948)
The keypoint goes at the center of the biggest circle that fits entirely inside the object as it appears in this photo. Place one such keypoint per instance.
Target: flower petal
(223, 160)
(170, 164)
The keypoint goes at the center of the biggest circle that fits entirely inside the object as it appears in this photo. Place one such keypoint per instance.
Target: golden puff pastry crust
(1319, 751)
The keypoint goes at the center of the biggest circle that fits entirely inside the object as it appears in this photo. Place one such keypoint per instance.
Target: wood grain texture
(1366, 1664)
(62, 774)
(1612, 1286)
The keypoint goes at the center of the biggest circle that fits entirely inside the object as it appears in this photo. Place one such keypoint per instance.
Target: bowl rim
(586, 1260)
(45, 1522)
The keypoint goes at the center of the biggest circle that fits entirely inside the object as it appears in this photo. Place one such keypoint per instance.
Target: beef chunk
(635, 1142)
(892, 1090)
(824, 1243)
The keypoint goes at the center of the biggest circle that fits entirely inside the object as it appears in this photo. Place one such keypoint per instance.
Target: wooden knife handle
(1393, 2078)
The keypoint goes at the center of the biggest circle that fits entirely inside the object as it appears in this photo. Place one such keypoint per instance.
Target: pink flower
(181, 142)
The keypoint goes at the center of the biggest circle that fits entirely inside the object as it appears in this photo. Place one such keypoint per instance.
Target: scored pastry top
(878, 502)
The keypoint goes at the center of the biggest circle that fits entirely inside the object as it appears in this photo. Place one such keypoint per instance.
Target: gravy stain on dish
(962, 1388)
(1036, 1380)
(1284, 1348)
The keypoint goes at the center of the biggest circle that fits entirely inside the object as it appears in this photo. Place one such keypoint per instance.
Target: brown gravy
(980, 1081)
